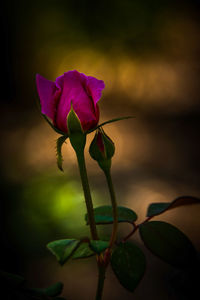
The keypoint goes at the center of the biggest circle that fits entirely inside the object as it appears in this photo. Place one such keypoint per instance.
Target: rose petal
(74, 90)
(60, 81)
(95, 88)
(49, 93)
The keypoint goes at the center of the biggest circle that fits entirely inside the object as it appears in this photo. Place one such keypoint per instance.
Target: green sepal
(168, 243)
(76, 134)
(94, 150)
(99, 246)
(158, 208)
(109, 121)
(63, 249)
(83, 251)
(73, 123)
(108, 146)
(60, 141)
(51, 291)
(104, 215)
(128, 263)
(102, 149)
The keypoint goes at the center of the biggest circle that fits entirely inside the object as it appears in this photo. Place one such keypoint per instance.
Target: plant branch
(87, 194)
(135, 227)
(114, 207)
(110, 121)
(101, 279)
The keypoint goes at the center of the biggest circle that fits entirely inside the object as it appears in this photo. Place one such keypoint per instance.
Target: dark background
(147, 52)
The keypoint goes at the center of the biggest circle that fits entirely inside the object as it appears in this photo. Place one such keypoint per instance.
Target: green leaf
(52, 126)
(168, 243)
(83, 251)
(52, 291)
(99, 246)
(63, 249)
(104, 215)
(14, 280)
(155, 209)
(59, 144)
(128, 263)
(110, 121)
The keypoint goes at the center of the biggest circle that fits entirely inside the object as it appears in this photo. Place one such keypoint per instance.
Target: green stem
(87, 194)
(101, 279)
(114, 208)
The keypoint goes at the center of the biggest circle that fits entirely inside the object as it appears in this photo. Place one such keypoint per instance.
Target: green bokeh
(47, 207)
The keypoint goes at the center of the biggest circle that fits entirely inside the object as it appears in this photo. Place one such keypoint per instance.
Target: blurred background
(147, 53)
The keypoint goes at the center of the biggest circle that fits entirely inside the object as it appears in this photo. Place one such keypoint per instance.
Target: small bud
(75, 131)
(102, 149)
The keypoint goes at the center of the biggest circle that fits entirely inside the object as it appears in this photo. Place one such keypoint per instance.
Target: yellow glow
(67, 197)
(145, 81)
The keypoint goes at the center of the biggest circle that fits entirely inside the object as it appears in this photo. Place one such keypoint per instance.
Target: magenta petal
(74, 90)
(95, 88)
(49, 93)
(72, 87)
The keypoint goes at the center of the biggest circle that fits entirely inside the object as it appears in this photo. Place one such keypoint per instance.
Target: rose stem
(91, 220)
(101, 279)
(114, 207)
(102, 266)
(87, 194)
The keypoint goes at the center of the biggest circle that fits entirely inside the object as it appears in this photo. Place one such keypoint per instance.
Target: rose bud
(75, 88)
(102, 149)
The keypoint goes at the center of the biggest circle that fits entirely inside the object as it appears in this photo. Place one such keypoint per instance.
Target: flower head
(72, 88)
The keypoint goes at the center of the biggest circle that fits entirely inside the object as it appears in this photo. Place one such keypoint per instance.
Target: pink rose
(73, 87)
